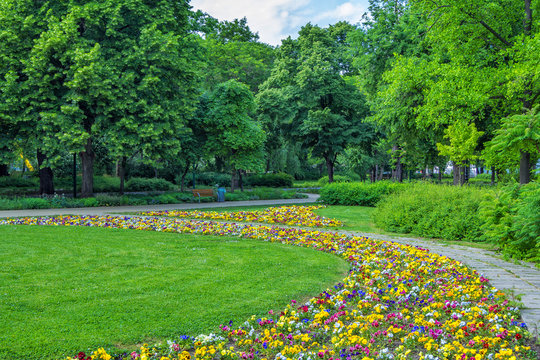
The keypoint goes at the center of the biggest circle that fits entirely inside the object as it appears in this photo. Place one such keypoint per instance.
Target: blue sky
(276, 19)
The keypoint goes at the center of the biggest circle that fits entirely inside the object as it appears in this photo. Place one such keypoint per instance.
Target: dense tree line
(414, 85)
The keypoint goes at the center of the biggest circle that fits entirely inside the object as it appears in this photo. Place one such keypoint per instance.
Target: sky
(277, 19)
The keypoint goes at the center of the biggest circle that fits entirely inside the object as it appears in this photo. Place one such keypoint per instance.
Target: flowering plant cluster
(397, 302)
(287, 215)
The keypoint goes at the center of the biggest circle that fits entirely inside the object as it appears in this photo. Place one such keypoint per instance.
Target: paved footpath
(106, 210)
(523, 280)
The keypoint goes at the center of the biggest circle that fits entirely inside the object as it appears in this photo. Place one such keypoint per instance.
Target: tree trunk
(4, 170)
(233, 178)
(466, 173)
(493, 175)
(525, 168)
(240, 180)
(397, 172)
(456, 171)
(330, 168)
(440, 175)
(381, 173)
(46, 184)
(87, 166)
(183, 177)
(121, 168)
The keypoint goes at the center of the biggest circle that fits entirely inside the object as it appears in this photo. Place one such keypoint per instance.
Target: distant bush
(337, 179)
(207, 178)
(439, 211)
(363, 194)
(270, 180)
(153, 184)
(106, 184)
(18, 182)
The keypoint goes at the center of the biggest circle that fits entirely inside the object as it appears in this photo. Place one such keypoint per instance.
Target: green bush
(511, 220)
(207, 178)
(363, 194)
(270, 180)
(142, 184)
(337, 179)
(18, 182)
(106, 184)
(439, 211)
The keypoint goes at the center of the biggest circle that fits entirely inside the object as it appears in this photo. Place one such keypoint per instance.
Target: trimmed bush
(439, 211)
(207, 178)
(363, 194)
(270, 180)
(142, 184)
(18, 182)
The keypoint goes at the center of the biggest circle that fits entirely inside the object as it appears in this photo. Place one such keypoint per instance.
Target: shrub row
(270, 180)
(440, 211)
(364, 194)
(506, 216)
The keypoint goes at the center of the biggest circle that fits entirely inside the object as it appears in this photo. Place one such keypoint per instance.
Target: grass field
(67, 289)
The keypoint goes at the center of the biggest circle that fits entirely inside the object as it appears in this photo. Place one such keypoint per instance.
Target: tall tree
(484, 47)
(231, 131)
(106, 63)
(320, 108)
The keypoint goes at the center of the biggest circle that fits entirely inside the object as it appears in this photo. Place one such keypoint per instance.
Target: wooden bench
(202, 192)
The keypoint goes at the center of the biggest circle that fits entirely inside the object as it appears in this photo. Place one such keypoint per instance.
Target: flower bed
(287, 215)
(398, 302)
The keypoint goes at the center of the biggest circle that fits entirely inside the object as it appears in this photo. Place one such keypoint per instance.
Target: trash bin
(221, 194)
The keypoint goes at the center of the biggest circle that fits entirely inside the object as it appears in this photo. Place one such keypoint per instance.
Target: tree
(308, 95)
(231, 132)
(463, 140)
(22, 24)
(515, 142)
(489, 45)
(232, 51)
(118, 70)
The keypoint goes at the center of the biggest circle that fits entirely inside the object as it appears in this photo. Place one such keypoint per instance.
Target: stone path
(106, 210)
(523, 280)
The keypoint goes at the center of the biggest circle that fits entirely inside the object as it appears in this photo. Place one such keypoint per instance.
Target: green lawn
(66, 289)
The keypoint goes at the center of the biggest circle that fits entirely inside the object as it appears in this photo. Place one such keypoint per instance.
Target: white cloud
(276, 19)
(347, 11)
(270, 18)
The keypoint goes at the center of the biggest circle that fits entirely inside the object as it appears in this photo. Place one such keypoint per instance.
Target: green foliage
(363, 194)
(153, 184)
(208, 178)
(270, 180)
(17, 182)
(463, 142)
(512, 220)
(430, 210)
(517, 134)
(337, 179)
(308, 97)
(232, 133)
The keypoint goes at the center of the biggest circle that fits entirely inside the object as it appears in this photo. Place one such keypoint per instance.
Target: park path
(110, 210)
(522, 279)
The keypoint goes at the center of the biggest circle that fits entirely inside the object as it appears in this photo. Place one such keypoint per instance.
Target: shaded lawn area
(70, 289)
